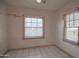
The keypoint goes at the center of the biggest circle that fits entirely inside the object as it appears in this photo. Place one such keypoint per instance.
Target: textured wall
(16, 28)
(3, 29)
(72, 49)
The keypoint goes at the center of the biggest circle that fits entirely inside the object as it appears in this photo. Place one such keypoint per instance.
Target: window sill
(71, 42)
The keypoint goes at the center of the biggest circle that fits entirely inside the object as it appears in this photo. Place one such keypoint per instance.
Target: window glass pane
(71, 23)
(77, 15)
(69, 33)
(27, 20)
(40, 20)
(40, 32)
(34, 24)
(28, 25)
(34, 20)
(76, 23)
(27, 32)
(30, 32)
(75, 34)
(71, 17)
(33, 32)
(67, 24)
(39, 25)
(36, 32)
(72, 34)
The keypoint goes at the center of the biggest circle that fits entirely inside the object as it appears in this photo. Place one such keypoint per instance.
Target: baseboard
(32, 47)
(65, 52)
(5, 52)
(41, 46)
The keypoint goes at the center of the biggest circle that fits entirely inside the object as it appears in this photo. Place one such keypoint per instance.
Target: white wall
(54, 25)
(72, 49)
(3, 29)
(16, 28)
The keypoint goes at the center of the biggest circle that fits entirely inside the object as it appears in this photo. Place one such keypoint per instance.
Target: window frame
(37, 37)
(64, 37)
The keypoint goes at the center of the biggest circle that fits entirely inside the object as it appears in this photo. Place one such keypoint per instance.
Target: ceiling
(50, 4)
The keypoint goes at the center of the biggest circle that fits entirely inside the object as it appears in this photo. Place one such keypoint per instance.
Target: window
(33, 28)
(72, 28)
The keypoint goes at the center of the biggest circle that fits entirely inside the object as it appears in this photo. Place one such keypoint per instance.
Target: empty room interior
(39, 28)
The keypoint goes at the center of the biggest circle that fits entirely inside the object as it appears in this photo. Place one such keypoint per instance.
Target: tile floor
(38, 52)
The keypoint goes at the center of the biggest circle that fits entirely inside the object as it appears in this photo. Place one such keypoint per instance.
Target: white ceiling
(50, 4)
